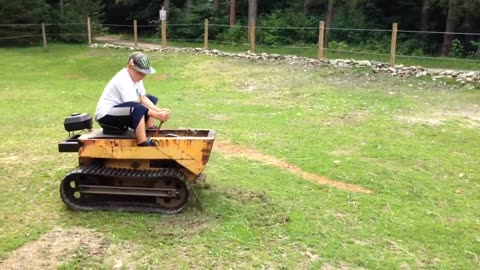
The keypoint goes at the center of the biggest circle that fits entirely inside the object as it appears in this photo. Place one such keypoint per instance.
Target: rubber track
(130, 206)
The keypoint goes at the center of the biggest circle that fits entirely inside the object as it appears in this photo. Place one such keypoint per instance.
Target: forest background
(430, 27)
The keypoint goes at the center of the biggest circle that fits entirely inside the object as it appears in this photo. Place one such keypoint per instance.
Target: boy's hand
(163, 115)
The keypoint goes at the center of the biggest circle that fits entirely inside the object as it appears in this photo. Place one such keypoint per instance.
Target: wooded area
(426, 27)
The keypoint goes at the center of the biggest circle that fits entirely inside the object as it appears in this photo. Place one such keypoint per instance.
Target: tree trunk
(329, 20)
(233, 18)
(424, 17)
(215, 5)
(452, 19)
(306, 6)
(61, 9)
(188, 5)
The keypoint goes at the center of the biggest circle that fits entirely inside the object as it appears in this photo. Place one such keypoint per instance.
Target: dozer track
(97, 187)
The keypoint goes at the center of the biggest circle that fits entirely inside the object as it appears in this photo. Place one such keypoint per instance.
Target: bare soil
(56, 247)
(228, 149)
(468, 116)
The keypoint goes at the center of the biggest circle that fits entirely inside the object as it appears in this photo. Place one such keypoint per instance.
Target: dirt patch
(233, 150)
(55, 248)
(9, 159)
(159, 77)
(340, 266)
(469, 117)
(125, 256)
(219, 117)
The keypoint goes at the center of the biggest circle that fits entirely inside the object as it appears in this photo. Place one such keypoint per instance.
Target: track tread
(81, 172)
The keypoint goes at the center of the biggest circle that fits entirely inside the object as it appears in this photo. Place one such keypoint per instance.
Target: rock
(461, 77)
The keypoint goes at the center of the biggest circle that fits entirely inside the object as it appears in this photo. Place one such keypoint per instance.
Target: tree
(451, 23)
(73, 16)
(329, 19)
(233, 11)
(188, 5)
(22, 12)
(424, 15)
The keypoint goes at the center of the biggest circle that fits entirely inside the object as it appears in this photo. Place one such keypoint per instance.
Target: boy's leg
(140, 131)
(149, 123)
(137, 119)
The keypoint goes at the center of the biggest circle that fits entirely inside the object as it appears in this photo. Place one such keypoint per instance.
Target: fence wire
(340, 40)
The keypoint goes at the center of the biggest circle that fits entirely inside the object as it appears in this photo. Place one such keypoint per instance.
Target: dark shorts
(127, 115)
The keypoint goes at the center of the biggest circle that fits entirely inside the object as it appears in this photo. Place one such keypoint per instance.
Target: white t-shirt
(120, 89)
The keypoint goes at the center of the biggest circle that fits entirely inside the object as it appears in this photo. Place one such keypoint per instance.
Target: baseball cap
(140, 63)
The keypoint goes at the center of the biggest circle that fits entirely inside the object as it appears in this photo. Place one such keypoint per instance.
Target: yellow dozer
(114, 173)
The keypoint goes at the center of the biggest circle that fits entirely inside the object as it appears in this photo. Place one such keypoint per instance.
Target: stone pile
(462, 77)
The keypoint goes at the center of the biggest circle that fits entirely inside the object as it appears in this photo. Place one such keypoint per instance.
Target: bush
(457, 49)
(475, 52)
(335, 45)
(411, 47)
(72, 27)
(287, 27)
(193, 21)
(22, 12)
(235, 34)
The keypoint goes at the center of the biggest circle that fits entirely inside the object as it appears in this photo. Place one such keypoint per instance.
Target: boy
(125, 103)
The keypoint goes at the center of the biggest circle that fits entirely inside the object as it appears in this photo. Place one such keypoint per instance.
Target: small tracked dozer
(115, 174)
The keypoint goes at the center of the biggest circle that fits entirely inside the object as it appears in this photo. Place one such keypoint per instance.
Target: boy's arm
(145, 101)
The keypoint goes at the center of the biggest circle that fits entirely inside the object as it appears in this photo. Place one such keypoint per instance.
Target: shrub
(22, 12)
(287, 27)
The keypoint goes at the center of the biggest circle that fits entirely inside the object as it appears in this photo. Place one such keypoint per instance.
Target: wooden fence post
(321, 39)
(44, 35)
(89, 31)
(252, 35)
(164, 34)
(135, 36)
(205, 35)
(393, 47)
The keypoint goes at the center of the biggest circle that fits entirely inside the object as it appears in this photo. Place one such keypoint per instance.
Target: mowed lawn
(399, 160)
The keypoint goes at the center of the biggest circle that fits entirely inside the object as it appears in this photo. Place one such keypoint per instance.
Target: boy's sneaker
(148, 142)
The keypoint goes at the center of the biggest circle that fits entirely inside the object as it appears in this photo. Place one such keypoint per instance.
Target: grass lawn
(413, 144)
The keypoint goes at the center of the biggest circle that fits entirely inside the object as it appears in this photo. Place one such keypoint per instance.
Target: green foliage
(274, 28)
(236, 34)
(475, 53)
(457, 49)
(189, 24)
(411, 47)
(25, 12)
(72, 26)
(338, 45)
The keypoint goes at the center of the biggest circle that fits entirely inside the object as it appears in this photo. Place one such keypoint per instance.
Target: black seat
(113, 130)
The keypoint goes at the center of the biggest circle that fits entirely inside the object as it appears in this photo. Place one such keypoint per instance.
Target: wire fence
(310, 41)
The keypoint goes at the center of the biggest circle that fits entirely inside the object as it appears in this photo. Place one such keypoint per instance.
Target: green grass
(413, 142)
